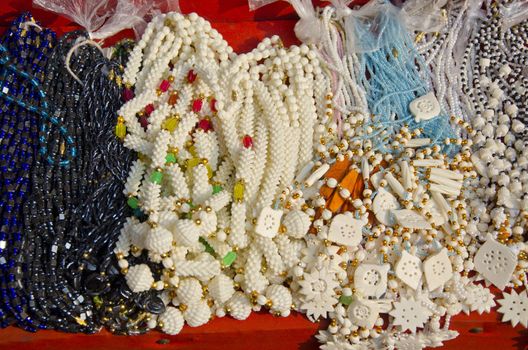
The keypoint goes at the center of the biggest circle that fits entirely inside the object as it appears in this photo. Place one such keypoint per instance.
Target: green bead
(156, 177)
(238, 191)
(345, 300)
(229, 258)
(132, 202)
(97, 301)
(217, 188)
(208, 248)
(170, 158)
(138, 213)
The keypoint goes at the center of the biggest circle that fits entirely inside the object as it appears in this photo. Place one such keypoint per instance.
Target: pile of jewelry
(375, 176)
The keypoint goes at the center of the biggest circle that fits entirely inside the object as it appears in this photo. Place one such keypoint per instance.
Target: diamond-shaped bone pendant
(371, 280)
(408, 270)
(268, 222)
(410, 219)
(495, 262)
(346, 230)
(437, 270)
(425, 107)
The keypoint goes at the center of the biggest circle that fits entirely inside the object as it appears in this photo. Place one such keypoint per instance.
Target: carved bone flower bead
(197, 314)
(139, 278)
(221, 288)
(239, 306)
(297, 223)
(189, 291)
(171, 321)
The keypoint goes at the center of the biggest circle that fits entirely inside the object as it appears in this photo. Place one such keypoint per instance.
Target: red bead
(247, 141)
(213, 105)
(197, 105)
(144, 122)
(149, 109)
(128, 94)
(191, 76)
(164, 86)
(205, 125)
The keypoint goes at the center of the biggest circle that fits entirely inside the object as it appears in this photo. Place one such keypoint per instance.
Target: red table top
(243, 30)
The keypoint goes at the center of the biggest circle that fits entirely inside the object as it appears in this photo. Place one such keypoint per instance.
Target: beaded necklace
(58, 192)
(394, 75)
(495, 87)
(28, 48)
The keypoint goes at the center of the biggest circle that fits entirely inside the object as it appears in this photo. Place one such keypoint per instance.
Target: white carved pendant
(425, 107)
(437, 269)
(371, 280)
(345, 230)
(382, 205)
(495, 262)
(514, 308)
(410, 219)
(268, 222)
(363, 313)
(408, 270)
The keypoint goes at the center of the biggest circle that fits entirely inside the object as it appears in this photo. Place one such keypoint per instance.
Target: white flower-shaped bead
(514, 308)
(409, 314)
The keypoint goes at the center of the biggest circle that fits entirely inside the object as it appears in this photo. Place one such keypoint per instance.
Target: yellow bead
(238, 191)
(171, 123)
(120, 130)
(191, 163)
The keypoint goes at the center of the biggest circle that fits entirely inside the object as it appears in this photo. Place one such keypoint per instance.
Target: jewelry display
(373, 176)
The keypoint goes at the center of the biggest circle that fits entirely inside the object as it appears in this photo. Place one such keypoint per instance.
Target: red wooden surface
(242, 29)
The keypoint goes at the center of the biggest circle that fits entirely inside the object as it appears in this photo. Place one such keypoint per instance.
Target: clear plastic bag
(102, 18)
(308, 28)
(423, 16)
(341, 6)
(514, 13)
(255, 4)
(474, 12)
(368, 28)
